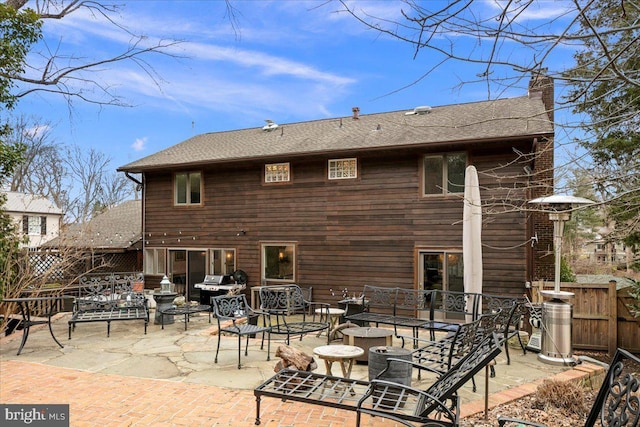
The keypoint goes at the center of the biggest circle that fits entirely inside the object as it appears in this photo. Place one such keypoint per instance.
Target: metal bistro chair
(234, 308)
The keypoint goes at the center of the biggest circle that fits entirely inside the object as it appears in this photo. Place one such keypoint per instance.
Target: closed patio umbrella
(472, 233)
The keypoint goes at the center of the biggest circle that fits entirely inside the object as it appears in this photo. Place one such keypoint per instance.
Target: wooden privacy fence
(601, 317)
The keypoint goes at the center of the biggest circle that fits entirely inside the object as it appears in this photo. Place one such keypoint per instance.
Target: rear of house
(338, 203)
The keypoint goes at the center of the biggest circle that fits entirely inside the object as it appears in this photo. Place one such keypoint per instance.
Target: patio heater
(557, 312)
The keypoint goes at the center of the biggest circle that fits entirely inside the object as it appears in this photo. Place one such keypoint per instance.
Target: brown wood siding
(348, 233)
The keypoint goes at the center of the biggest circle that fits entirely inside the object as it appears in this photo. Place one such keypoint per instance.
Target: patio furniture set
(466, 348)
(455, 359)
(438, 405)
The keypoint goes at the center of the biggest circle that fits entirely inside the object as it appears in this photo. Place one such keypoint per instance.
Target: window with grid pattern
(276, 172)
(343, 168)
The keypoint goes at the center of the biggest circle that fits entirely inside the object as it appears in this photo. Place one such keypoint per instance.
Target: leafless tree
(41, 172)
(100, 186)
(494, 38)
(73, 76)
(78, 181)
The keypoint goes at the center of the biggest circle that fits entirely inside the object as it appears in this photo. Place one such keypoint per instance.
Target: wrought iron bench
(618, 400)
(288, 311)
(449, 309)
(438, 405)
(435, 310)
(114, 297)
(397, 307)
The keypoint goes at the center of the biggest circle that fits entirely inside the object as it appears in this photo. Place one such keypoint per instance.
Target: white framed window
(279, 261)
(343, 168)
(155, 261)
(222, 261)
(444, 173)
(277, 172)
(34, 225)
(188, 188)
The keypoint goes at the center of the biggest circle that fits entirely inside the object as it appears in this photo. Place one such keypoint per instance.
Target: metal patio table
(27, 320)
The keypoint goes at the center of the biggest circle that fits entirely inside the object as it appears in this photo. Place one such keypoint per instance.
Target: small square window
(276, 172)
(343, 168)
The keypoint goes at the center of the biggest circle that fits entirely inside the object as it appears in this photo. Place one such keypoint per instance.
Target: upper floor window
(444, 174)
(188, 188)
(343, 168)
(277, 172)
(34, 225)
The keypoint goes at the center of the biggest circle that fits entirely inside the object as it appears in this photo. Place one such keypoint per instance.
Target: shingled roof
(479, 121)
(30, 204)
(115, 229)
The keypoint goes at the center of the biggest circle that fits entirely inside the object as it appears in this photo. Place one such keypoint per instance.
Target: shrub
(566, 273)
(565, 395)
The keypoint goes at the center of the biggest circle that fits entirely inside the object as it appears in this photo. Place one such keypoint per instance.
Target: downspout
(142, 187)
(128, 175)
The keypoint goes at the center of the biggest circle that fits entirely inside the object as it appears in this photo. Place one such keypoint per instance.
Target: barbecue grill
(214, 285)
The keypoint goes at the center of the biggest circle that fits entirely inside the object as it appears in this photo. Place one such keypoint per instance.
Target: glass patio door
(187, 267)
(441, 270)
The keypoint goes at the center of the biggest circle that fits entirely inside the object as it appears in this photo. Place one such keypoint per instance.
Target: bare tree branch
(75, 77)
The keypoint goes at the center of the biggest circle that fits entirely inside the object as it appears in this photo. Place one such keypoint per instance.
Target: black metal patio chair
(234, 308)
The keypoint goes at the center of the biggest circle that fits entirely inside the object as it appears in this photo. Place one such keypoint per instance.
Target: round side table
(343, 354)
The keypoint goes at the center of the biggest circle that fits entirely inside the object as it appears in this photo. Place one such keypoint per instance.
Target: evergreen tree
(612, 103)
(18, 31)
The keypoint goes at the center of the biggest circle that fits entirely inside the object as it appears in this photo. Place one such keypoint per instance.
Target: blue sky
(287, 61)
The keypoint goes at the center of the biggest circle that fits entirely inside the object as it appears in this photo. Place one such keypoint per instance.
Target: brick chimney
(541, 86)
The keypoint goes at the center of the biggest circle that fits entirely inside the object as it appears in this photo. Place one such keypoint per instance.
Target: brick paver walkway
(111, 400)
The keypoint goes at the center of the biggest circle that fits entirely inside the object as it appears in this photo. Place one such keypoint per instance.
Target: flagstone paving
(168, 378)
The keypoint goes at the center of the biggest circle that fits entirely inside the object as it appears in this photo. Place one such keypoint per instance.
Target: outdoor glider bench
(438, 405)
(114, 297)
(287, 308)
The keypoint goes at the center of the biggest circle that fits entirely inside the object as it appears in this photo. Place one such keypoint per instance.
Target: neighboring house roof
(29, 204)
(473, 122)
(117, 228)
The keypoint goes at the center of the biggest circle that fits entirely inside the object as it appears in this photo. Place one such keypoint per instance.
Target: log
(296, 358)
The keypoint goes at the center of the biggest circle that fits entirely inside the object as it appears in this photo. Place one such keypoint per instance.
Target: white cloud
(36, 131)
(139, 144)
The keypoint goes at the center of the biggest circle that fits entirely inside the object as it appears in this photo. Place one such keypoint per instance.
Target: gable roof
(30, 204)
(472, 122)
(117, 228)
